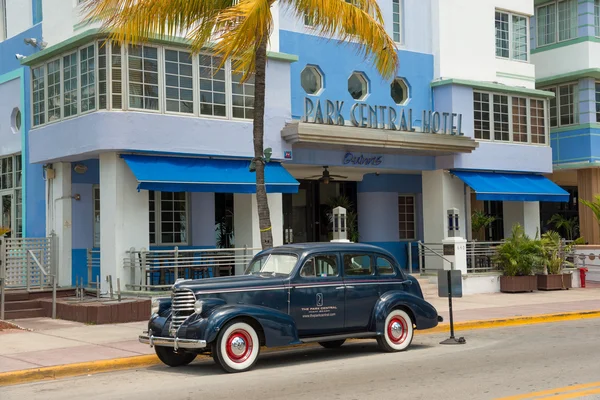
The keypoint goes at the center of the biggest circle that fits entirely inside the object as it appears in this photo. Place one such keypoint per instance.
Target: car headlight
(198, 307)
(155, 307)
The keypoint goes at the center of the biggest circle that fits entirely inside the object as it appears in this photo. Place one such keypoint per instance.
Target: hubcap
(239, 346)
(397, 330)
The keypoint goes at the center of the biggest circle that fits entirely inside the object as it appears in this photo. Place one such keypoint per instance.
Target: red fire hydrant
(582, 272)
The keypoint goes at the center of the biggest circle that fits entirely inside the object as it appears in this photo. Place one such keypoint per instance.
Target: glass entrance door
(6, 217)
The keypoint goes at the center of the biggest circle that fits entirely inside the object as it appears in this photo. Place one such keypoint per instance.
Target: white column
(123, 219)
(203, 219)
(441, 191)
(60, 221)
(378, 217)
(245, 221)
(526, 213)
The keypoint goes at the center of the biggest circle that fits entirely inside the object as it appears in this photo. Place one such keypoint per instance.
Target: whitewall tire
(237, 347)
(397, 333)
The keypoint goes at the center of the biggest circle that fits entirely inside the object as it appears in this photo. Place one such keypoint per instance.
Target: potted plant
(519, 257)
(554, 253)
(569, 225)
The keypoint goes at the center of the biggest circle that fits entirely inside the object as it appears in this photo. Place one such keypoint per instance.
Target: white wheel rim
(240, 346)
(398, 330)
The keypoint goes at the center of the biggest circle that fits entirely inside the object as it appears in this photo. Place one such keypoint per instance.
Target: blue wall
(337, 62)
(582, 144)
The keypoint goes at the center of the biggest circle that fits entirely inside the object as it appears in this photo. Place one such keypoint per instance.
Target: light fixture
(19, 56)
(80, 168)
(35, 43)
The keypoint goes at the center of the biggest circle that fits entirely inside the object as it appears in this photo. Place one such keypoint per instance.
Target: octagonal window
(358, 86)
(311, 80)
(399, 91)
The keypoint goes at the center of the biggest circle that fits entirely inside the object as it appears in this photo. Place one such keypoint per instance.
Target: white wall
(567, 59)
(441, 191)
(10, 98)
(378, 217)
(464, 41)
(203, 219)
(20, 17)
(527, 214)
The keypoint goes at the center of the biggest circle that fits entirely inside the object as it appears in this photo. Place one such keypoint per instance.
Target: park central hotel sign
(363, 115)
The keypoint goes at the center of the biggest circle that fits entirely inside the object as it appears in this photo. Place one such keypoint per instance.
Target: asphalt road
(494, 363)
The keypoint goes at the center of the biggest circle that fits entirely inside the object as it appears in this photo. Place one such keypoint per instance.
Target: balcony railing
(480, 257)
(159, 269)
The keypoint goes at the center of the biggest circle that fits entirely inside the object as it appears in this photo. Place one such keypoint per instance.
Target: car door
(389, 276)
(317, 296)
(362, 290)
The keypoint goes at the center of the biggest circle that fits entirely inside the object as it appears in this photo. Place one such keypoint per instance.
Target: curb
(117, 364)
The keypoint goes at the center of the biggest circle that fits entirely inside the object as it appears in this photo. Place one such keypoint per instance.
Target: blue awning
(512, 187)
(179, 174)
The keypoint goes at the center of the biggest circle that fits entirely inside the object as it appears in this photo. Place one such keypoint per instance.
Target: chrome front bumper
(176, 343)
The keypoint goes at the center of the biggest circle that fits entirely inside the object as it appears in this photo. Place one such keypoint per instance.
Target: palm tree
(239, 30)
(594, 206)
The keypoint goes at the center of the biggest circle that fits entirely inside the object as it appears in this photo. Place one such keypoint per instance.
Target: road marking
(567, 392)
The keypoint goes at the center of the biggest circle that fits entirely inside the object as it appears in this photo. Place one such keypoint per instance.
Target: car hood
(229, 283)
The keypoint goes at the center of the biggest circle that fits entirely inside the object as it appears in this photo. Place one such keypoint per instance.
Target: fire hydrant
(582, 272)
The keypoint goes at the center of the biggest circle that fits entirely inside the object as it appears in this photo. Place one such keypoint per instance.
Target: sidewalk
(48, 342)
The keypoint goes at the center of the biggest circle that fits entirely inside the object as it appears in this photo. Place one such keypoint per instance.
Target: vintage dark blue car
(318, 292)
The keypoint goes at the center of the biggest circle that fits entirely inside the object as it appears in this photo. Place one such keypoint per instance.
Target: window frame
(394, 273)
(597, 17)
(358, 254)
(511, 55)
(400, 22)
(159, 81)
(576, 111)
(13, 192)
(96, 199)
(158, 221)
(195, 82)
(556, 23)
(414, 197)
(3, 21)
(315, 256)
(510, 97)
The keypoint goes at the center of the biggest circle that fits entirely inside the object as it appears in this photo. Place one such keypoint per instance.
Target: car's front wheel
(237, 347)
(398, 332)
(334, 344)
(172, 358)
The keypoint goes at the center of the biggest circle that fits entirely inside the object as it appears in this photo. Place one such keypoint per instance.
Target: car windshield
(273, 264)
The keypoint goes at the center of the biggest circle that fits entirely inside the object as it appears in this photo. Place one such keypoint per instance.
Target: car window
(384, 267)
(273, 264)
(320, 266)
(357, 265)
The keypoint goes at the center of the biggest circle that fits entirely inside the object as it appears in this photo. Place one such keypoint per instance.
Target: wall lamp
(35, 43)
(19, 56)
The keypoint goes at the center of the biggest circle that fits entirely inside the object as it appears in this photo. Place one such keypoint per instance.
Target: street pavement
(560, 359)
(48, 342)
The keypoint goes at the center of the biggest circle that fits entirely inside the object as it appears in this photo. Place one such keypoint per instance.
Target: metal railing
(480, 257)
(159, 269)
(93, 263)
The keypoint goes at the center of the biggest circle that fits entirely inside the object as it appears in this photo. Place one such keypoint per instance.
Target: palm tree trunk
(264, 217)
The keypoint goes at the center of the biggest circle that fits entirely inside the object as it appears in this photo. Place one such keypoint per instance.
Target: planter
(518, 284)
(554, 282)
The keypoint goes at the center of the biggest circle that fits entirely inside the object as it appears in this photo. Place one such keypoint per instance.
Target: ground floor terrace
(146, 219)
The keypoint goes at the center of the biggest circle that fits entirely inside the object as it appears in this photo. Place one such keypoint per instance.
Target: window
(597, 16)
(15, 120)
(564, 107)
(357, 265)
(168, 218)
(511, 36)
(384, 267)
(179, 82)
(212, 87)
(399, 91)
(54, 91)
(39, 100)
(102, 77)
(513, 119)
(406, 217)
(358, 86)
(273, 264)
(70, 85)
(11, 195)
(311, 80)
(556, 21)
(143, 77)
(481, 104)
(320, 266)
(96, 200)
(3, 21)
(116, 76)
(519, 119)
(242, 96)
(87, 66)
(396, 21)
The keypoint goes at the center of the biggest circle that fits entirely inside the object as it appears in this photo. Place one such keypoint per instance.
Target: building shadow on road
(292, 357)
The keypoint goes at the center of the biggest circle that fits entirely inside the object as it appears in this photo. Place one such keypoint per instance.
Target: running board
(364, 335)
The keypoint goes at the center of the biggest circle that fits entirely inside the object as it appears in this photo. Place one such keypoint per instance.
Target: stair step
(22, 305)
(27, 313)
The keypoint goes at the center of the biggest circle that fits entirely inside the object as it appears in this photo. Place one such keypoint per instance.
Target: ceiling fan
(326, 177)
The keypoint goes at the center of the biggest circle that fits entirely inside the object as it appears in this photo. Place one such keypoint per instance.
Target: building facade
(564, 41)
(148, 147)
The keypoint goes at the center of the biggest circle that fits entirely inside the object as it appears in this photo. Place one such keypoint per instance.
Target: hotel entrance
(306, 213)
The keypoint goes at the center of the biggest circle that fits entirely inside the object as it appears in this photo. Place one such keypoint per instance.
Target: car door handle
(339, 287)
(349, 287)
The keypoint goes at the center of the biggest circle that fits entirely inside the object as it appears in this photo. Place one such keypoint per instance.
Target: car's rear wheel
(237, 347)
(334, 344)
(173, 359)
(398, 332)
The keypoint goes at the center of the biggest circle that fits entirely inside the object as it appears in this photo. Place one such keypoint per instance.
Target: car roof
(308, 248)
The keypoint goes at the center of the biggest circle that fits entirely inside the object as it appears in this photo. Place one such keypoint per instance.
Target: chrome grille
(182, 306)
